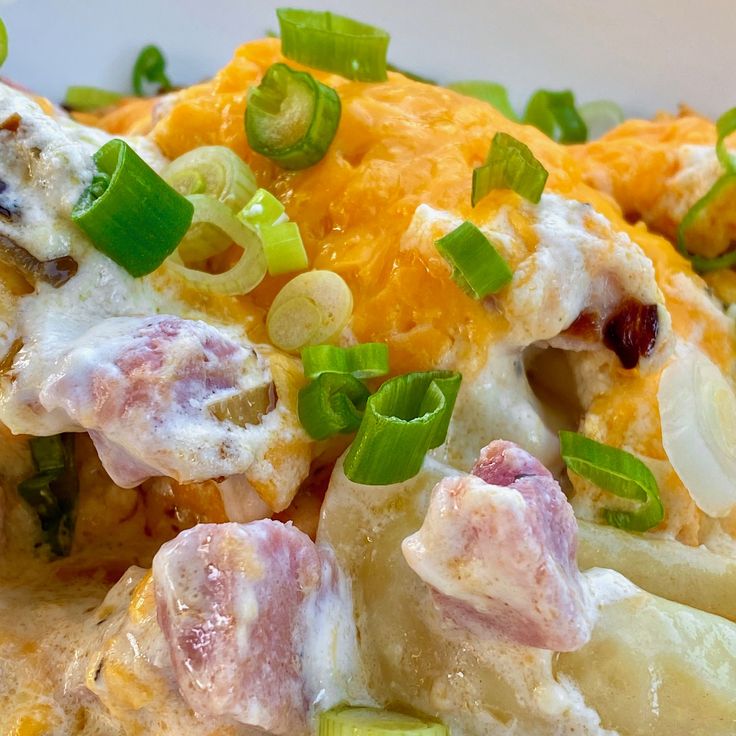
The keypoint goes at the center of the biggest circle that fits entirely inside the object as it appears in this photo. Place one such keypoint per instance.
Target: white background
(645, 54)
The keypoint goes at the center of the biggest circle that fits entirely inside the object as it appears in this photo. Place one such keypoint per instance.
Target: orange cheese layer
(399, 144)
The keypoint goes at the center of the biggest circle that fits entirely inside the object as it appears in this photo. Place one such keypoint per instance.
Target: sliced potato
(488, 687)
(694, 576)
(656, 667)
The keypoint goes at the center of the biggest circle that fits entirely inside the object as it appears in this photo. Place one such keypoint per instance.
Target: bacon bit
(587, 326)
(631, 331)
(11, 123)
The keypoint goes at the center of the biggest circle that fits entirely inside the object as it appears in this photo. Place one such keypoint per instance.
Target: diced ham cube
(498, 549)
(259, 622)
(142, 387)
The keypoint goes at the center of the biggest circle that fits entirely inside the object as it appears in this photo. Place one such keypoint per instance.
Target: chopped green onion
(493, 93)
(332, 404)
(311, 309)
(334, 43)
(725, 125)
(477, 267)
(214, 170)
(410, 75)
(617, 472)
(262, 209)
(250, 268)
(408, 416)
(218, 172)
(700, 212)
(150, 66)
(555, 114)
(721, 191)
(284, 248)
(88, 99)
(3, 42)
(49, 455)
(600, 116)
(52, 491)
(367, 360)
(291, 118)
(510, 165)
(375, 722)
(129, 212)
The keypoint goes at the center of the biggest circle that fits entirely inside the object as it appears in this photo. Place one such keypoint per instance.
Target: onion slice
(697, 406)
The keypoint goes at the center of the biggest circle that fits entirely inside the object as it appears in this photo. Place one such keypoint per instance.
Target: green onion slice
(408, 416)
(284, 248)
(493, 93)
(617, 472)
(129, 212)
(311, 309)
(375, 722)
(250, 268)
(3, 42)
(477, 267)
(214, 170)
(367, 360)
(87, 99)
(725, 125)
(510, 165)
(150, 66)
(291, 118)
(555, 114)
(600, 116)
(334, 43)
(699, 217)
(262, 209)
(332, 404)
(52, 491)
(217, 172)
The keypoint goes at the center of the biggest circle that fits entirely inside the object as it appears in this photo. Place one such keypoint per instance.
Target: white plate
(645, 54)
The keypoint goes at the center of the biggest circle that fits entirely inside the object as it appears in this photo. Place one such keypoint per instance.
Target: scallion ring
(375, 722)
(250, 268)
(700, 214)
(725, 125)
(3, 42)
(283, 247)
(493, 93)
(510, 165)
(88, 99)
(150, 66)
(702, 211)
(291, 118)
(332, 404)
(52, 490)
(334, 43)
(600, 116)
(262, 209)
(617, 472)
(129, 212)
(403, 420)
(477, 267)
(366, 360)
(218, 172)
(313, 308)
(555, 114)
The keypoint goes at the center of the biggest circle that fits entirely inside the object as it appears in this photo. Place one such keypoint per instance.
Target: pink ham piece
(142, 386)
(498, 549)
(259, 623)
